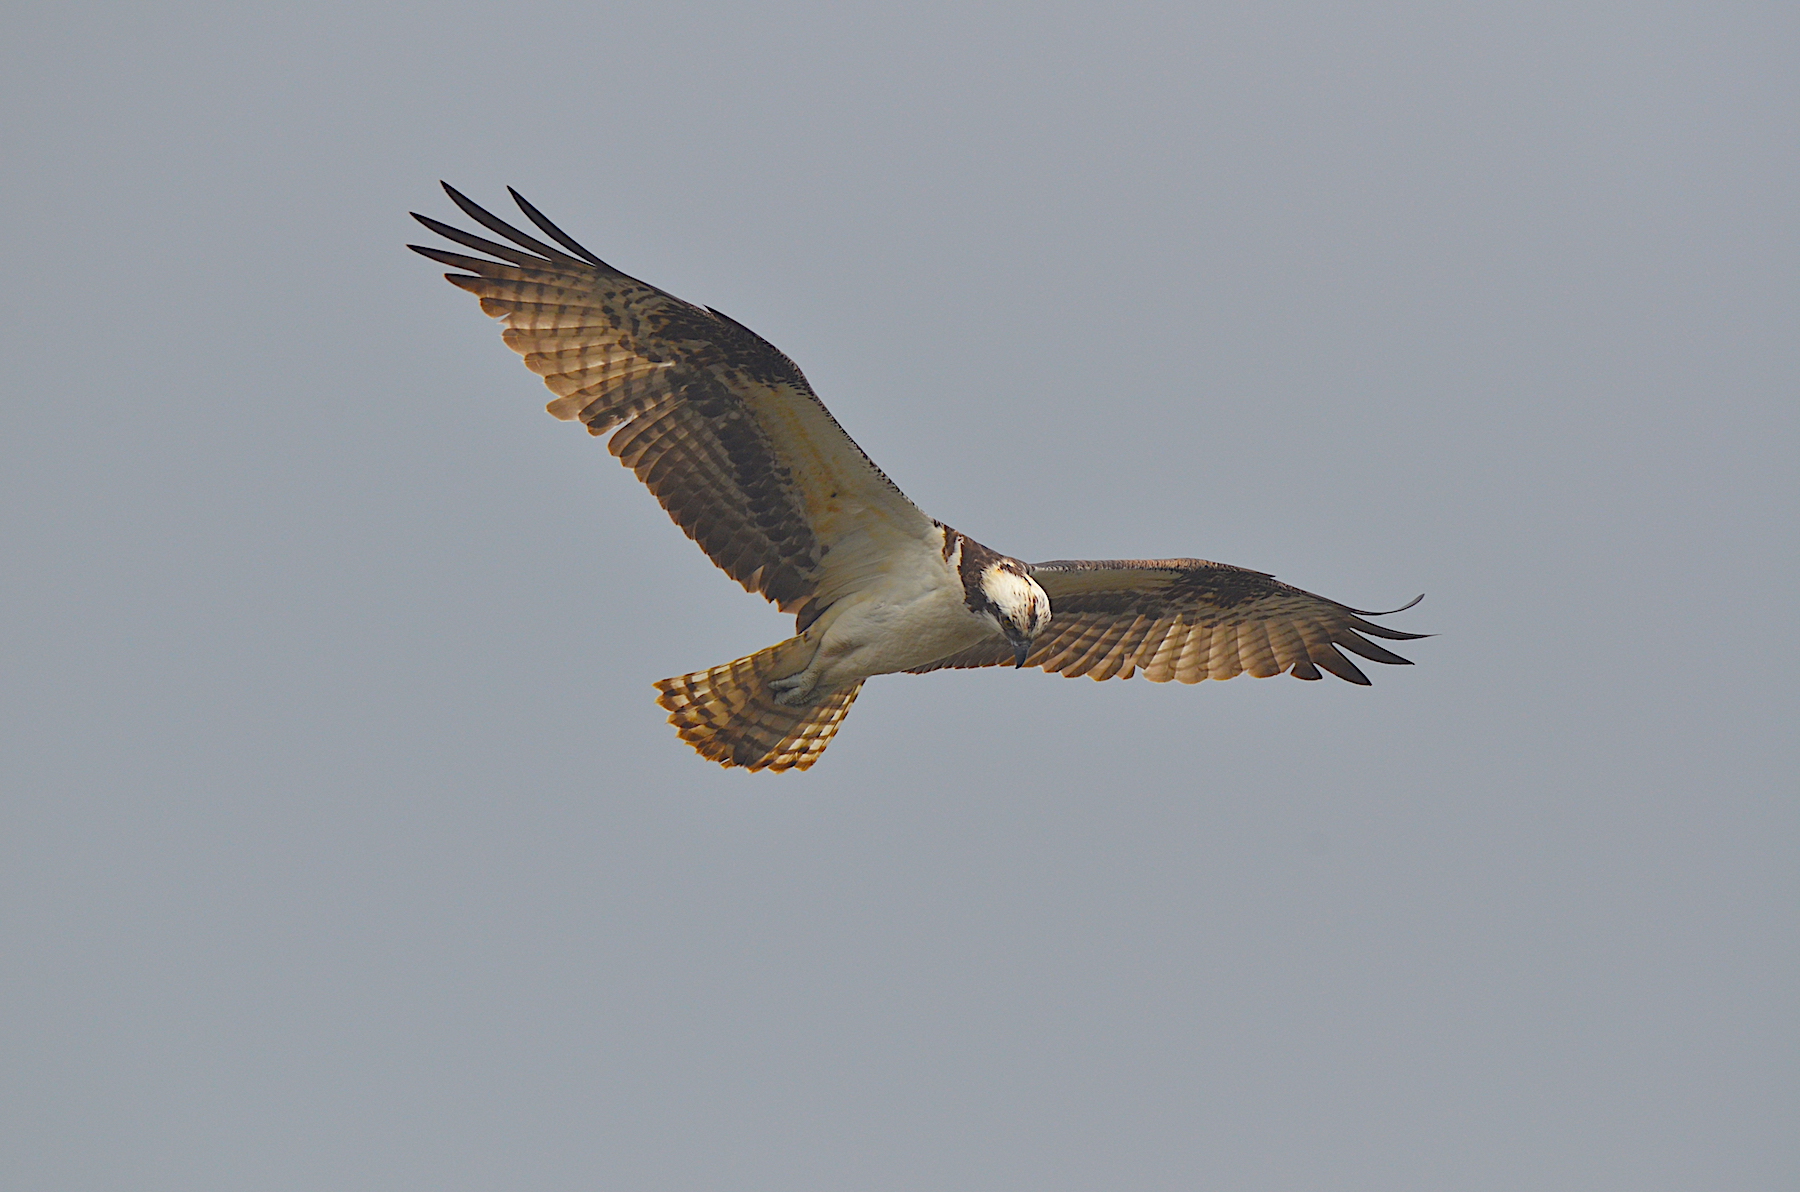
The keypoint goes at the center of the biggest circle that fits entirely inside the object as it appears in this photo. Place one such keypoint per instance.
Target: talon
(794, 691)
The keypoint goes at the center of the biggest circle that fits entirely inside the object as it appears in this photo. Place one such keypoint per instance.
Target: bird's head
(1016, 602)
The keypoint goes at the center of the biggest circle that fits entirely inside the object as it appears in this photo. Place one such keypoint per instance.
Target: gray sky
(346, 847)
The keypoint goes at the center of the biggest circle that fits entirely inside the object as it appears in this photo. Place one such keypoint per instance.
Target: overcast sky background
(346, 848)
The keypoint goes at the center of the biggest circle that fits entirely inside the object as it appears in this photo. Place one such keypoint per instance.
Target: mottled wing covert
(720, 425)
(1188, 619)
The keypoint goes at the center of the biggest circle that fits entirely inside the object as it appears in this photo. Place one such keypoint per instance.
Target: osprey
(732, 441)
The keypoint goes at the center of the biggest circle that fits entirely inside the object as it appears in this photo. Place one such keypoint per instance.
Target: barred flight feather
(729, 713)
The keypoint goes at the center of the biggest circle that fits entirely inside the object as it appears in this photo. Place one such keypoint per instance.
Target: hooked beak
(1021, 647)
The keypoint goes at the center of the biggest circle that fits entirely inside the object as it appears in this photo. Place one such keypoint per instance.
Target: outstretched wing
(718, 423)
(1188, 619)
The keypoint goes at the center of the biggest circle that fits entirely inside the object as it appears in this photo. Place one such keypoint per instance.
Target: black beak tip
(1020, 649)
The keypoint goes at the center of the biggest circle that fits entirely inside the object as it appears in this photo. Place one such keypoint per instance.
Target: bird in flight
(732, 441)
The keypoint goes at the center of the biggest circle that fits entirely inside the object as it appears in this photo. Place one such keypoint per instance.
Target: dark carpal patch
(714, 471)
(1221, 586)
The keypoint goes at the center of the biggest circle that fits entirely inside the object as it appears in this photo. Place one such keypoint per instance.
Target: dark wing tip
(551, 230)
(1373, 630)
(1365, 612)
(1349, 640)
(1382, 631)
(1342, 667)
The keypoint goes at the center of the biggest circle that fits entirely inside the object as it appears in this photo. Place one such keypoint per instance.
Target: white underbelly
(896, 627)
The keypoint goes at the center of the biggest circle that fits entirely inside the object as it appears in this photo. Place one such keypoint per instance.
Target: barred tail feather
(729, 713)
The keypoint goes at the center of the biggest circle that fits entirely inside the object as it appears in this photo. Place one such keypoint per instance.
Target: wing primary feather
(1363, 612)
(1393, 635)
(1368, 649)
(454, 259)
(500, 227)
(504, 252)
(1342, 667)
(555, 233)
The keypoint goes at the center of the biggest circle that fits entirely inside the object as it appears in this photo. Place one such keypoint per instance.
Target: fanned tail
(730, 715)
